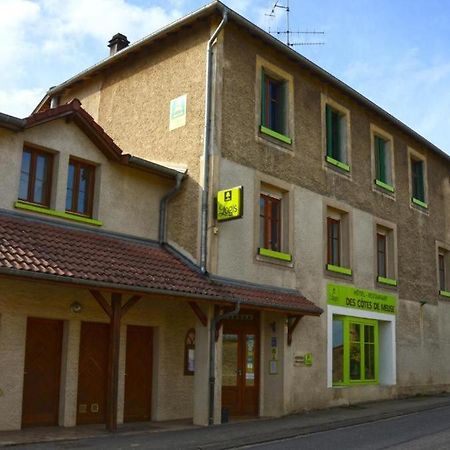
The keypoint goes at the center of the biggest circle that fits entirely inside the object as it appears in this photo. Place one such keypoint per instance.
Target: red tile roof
(30, 247)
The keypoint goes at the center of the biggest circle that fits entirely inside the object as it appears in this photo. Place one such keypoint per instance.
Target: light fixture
(76, 307)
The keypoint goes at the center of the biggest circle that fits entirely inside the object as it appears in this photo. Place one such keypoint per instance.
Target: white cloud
(20, 102)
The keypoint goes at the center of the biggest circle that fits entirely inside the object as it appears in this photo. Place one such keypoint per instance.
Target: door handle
(239, 372)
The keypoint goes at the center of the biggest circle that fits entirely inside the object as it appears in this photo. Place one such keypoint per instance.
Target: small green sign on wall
(352, 297)
(230, 204)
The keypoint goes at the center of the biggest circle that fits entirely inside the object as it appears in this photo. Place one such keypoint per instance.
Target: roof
(219, 7)
(43, 250)
(74, 111)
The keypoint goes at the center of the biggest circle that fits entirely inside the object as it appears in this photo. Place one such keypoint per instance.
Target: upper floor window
(334, 241)
(383, 163)
(338, 241)
(336, 137)
(80, 187)
(36, 176)
(444, 271)
(417, 165)
(385, 255)
(270, 222)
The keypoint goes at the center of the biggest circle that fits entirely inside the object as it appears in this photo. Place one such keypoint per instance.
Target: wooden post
(113, 365)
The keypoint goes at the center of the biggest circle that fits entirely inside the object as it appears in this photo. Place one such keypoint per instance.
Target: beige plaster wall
(173, 392)
(126, 200)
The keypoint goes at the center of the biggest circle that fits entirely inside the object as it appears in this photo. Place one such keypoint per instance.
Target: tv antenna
(287, 32)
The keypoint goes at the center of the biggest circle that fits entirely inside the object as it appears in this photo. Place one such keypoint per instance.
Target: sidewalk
(179, 435)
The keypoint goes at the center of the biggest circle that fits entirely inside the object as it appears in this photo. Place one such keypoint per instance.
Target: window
(274, 107)
(417, 169)
(444, 272)
(336, 137)
(338, 241)
(385, 255)
(273, 223)
(80, 188)
(383, 163)
(36, 176)
(355, 351)
(189, 352)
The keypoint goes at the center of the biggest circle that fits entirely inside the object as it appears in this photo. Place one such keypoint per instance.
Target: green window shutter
(263, 98)
(284, 108)
(380, 147)
(329, 125)
(420, 182)
(336, 131)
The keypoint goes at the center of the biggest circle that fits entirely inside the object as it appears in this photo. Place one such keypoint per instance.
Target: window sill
(444, 293)
(387, 281)
(385, 186)
(418, 202)
(339, 269)
(275, 255)
(339, 164)
(275, 135)
(60, 214)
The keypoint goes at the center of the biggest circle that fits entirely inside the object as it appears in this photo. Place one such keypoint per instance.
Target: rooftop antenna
(288, 32)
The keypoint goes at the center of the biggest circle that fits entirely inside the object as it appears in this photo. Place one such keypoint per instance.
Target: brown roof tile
(68, 253)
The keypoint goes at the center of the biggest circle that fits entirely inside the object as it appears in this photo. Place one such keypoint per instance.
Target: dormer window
(80, 188)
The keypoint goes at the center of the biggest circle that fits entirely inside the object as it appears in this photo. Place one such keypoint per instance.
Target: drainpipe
(206, 145)
(212, 358)
(163, 207)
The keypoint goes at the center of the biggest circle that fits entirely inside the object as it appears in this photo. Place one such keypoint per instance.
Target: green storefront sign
(351, 297)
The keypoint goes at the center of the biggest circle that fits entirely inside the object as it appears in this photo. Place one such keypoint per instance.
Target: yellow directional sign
(230, 204)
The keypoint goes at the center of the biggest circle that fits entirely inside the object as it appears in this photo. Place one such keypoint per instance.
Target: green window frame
(335, 147)
(355, 351)
(418, 180)
(383, 163)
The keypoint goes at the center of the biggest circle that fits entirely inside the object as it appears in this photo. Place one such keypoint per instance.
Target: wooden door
(92, 373)
(138, 374)
(240, 367)
(42, 372)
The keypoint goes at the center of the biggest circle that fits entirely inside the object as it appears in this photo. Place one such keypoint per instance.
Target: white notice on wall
(177, 117)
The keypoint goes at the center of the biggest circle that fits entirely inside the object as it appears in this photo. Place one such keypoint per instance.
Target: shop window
(385, 256)
(383, 163)
(355, 351)
(336, 137)
(36, 176)
(189, 352)
(274, 107)
(273, 218)
(418, 180)
(338, 242)
(444, 272)
(80, 188)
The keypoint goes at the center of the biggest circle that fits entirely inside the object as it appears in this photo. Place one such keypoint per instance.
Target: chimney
(117, 43)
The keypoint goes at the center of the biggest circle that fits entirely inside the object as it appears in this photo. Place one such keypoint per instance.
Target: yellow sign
(230, 204)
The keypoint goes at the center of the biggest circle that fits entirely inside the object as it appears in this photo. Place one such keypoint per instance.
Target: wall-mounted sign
(351, 297)
(230, 204)
(308, 359)
(177, 116)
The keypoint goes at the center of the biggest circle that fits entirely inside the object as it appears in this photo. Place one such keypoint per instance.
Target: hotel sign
(230, 204)
(351, 297)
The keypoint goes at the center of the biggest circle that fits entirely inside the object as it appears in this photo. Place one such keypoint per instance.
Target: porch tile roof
(30, 247)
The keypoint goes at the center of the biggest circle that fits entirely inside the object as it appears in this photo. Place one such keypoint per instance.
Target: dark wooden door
(240, 367)
(42, 372)
(138, 374)
(92, 373)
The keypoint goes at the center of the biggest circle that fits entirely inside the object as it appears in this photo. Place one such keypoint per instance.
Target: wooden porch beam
(129, 304)
(199, 313)
(292, 324)
(102, 302)
(113, 362)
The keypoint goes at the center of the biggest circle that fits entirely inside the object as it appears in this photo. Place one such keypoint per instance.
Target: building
(341, 202)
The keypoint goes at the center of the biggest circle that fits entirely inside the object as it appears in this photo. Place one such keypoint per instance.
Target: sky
(395, 52)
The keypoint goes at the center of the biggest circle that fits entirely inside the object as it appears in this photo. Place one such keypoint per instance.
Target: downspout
(212, 358)
(163, 207)
(206, 145)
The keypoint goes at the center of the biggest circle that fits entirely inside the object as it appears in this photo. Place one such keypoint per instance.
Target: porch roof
(31, 247)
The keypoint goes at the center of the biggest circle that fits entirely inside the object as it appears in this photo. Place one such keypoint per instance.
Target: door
(240, 367)
(138, 374)
(42, 372)
(92, 373)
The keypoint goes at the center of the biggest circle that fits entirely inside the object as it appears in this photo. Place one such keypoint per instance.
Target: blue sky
(397, 53)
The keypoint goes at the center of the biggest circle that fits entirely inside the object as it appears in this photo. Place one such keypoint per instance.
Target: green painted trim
(445, 293)
(273, 254)
(275, 135)
(422, 204)
(51, 212)
(338, 164)
(388, 281)
(339, 269)
(385, 186)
